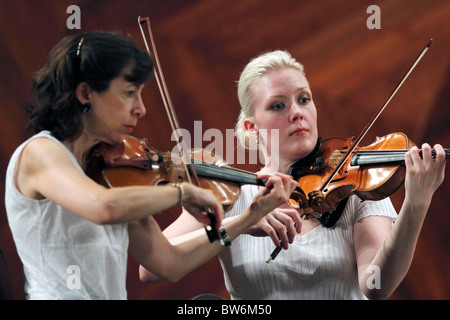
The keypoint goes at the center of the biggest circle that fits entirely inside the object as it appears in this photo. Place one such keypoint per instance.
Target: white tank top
(320, 264)
(64, 256)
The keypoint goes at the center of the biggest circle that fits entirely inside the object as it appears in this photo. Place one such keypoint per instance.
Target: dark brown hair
(102, 57)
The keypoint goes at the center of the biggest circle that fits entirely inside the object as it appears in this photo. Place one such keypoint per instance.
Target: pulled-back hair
(99, 58)
(254, 70)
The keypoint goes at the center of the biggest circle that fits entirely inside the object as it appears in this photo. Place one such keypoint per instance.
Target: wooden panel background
(203, 46)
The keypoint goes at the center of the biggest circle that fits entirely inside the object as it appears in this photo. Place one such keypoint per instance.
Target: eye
(304, 99)
(130, 93)
(277, 106)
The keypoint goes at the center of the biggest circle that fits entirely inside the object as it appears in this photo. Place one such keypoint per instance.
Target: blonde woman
(362, 255)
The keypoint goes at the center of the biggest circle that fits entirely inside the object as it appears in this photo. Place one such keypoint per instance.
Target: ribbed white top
(320, 264)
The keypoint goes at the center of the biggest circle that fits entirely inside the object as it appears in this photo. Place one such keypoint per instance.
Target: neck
(371, 157)
(80, 148)
(275, 164)
(284, 165)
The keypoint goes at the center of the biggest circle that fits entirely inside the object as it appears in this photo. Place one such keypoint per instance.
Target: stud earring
(86, 107)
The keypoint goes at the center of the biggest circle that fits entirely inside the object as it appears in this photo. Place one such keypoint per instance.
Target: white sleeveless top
(320, 264)
(64, 256)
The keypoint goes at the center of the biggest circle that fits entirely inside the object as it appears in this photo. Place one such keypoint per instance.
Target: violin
(371, 172)
(336, 168)
(135, 162)
(339, 168)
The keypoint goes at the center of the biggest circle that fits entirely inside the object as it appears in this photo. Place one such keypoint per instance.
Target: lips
(298, 131)
(129, 129)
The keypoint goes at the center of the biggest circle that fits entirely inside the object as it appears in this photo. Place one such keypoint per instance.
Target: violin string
(366, 157)
(227, 173)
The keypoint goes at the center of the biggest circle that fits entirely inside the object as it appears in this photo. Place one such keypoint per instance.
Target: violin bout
(372, 172)
(134, 162)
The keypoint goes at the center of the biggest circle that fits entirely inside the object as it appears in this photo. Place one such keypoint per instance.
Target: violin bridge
(167, 162)
(335, 158)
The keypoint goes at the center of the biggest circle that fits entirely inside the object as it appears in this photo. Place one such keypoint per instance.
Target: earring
(86, 107)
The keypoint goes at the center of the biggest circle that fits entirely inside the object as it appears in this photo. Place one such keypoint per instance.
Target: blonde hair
(254, 70)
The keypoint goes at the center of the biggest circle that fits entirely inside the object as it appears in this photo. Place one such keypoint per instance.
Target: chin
(113, 140)
(302, 151)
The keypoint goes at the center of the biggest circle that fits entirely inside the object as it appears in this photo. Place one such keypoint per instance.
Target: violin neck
(385, 156)
(228, 174)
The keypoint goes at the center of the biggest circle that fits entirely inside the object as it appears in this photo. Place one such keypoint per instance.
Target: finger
(204, 200)
(293, 214)
(275, 187)
(217, 211)
(270, 231)
(294, 184)
(281, 231)
(282, 182)
(263, 176)
(291, 232)
(440, 161)
(415, 156)
(408, 160)
(211, 203)
(273, 181)
(416, 161)
(262, 191)
(440, 153)
(289, 183)
(426, 155)
(198, 215)
(288, 223)
(281, 177)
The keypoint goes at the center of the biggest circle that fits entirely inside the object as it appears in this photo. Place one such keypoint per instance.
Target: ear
(83, 92)
(250, 126)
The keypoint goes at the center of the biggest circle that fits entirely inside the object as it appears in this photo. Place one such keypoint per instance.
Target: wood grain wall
(203, 46)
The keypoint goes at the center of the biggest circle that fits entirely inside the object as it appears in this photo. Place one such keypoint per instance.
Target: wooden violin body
(373, 172)
(135, 162)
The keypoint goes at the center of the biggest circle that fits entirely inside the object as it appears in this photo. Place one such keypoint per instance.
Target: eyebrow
(298, 89)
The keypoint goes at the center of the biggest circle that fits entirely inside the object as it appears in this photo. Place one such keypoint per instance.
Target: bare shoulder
(371, 231)
(374, 221)
(41, 149)
(37, 157)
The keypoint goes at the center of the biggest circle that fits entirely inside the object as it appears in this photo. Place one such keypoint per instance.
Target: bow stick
(188, 166)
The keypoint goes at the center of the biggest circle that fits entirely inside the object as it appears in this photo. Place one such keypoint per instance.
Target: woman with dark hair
(93, 59)
(72, 234)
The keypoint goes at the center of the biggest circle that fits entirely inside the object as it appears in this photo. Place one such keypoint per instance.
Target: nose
(296, 112)
(139, 110)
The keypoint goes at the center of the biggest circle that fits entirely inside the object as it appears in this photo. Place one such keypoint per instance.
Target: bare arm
(161, 260)
(193, 249)
(184, 229)
(45, 170)
(390, 252)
